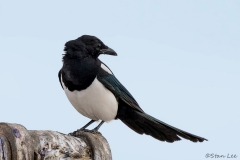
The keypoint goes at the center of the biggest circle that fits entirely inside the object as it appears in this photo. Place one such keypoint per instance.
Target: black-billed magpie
(96, 93)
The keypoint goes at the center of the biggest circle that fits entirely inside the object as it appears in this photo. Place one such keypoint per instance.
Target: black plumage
(81, 67)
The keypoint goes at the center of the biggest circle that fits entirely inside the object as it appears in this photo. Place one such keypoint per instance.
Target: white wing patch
(96, 102)
(106, 68)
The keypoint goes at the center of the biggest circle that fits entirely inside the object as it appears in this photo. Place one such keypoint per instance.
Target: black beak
(108, 51)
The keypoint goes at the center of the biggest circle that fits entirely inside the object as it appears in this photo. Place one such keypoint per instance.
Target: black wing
(59, 77)
(112, 83)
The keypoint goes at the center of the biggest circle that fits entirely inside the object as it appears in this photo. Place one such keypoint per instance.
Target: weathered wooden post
(18, 143)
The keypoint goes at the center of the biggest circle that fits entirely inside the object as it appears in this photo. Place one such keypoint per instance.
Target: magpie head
(87, 46)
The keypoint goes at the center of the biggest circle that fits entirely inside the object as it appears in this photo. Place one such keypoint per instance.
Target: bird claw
(82, 129)
(94, 131)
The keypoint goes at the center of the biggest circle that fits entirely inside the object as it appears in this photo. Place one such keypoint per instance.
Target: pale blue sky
(179, 59)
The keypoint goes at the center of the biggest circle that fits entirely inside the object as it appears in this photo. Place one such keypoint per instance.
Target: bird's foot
(82, 129)
(78, 130)
(94, 131)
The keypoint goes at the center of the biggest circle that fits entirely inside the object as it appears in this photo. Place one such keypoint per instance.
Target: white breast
(95, 102)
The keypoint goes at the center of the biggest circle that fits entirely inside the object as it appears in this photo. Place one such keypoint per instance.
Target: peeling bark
(18, 143)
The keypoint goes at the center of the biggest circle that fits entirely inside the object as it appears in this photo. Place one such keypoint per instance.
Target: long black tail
(144, 123)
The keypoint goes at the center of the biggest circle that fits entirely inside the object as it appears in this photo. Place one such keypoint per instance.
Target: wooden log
(18, 143)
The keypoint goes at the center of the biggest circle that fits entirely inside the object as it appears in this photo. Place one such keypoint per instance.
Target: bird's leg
(83, 128)
(95, 130)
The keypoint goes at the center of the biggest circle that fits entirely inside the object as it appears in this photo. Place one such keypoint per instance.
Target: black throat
(78, 73)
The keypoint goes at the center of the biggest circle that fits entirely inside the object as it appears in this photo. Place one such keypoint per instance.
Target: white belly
(96, 102)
